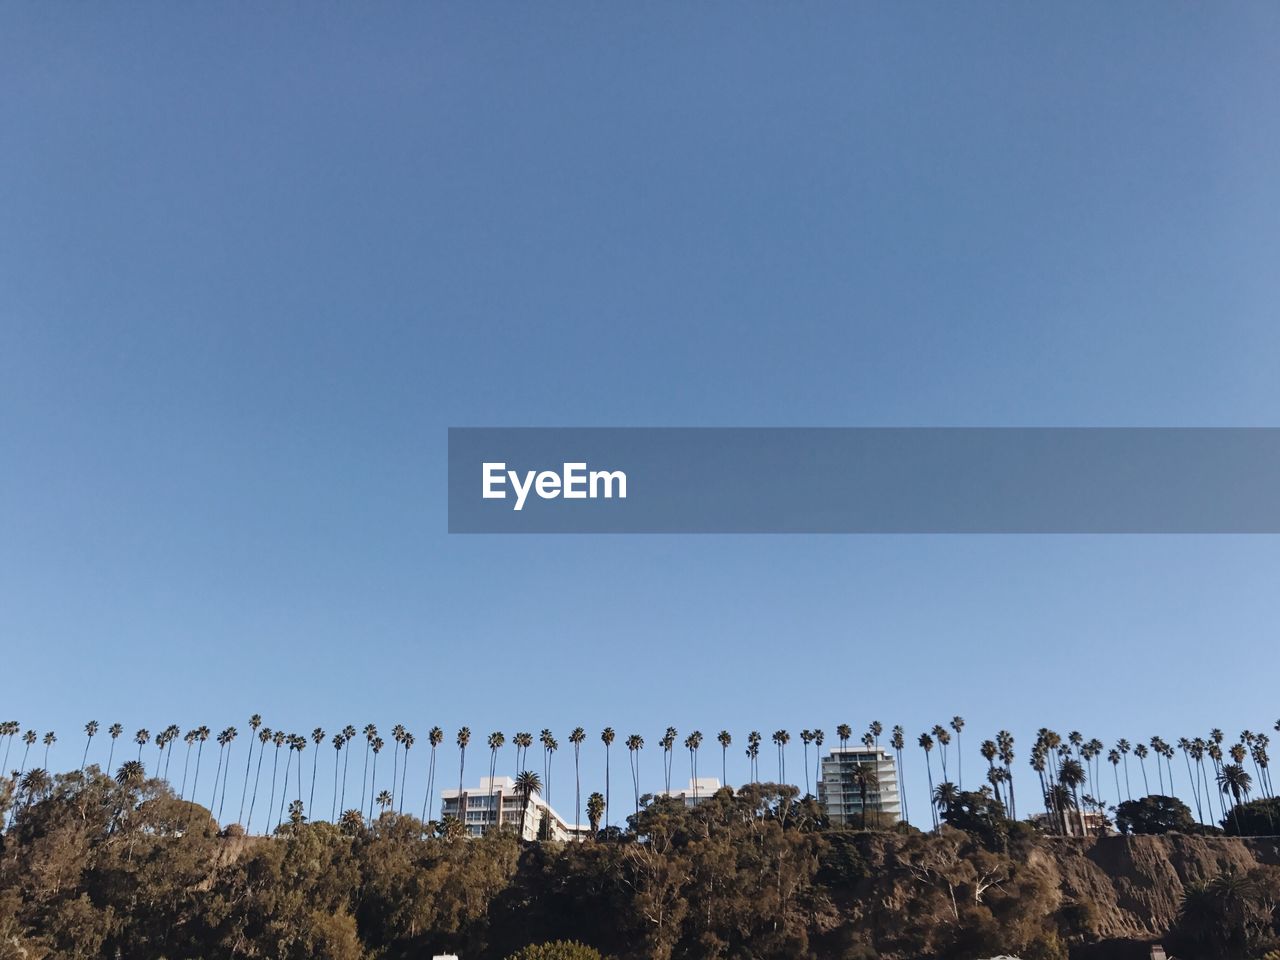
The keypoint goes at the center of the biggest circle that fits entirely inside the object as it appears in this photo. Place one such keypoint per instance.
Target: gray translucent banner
(864, 480)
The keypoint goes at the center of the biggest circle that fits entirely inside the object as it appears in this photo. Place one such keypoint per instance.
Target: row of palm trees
(1064, 766)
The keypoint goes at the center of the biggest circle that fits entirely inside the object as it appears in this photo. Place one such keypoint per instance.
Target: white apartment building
(497, 803)
(697, 791)
(841, 798)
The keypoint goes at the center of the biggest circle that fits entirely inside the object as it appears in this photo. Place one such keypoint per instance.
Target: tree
(957, 724)
(202, 734)
(667, 743)
(1071, 774)
(407, 742)
(926, 744)
(780, 740)
(90, 729)
(557, 950)
(1235, 780)
(595, 810)
(229, 735)
(1124, 747)
(495, 741)
(944, 796)
(898, 740)
(754, 740)
(577, 737)
(339, 741)
(376, 747)
(606, 737)
(464, 738)
(114, 730)
(370, 732)
(255, 722)
(1254, 818)
(527, 784)
(692, 743)
(865, 778)
(1154, 814)
(435, 737)
(843, 733)
(806, 738)
(317, 737)
(634, 744)
(725, 739)
(49, 740)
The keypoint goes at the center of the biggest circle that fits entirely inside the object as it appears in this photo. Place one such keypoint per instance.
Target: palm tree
(1113, 758)
(806, 738)
(230, 734)
(818, 738)
(435, 737)
(255, 722)
(142, 738)
(384, 800)
(1235, 780)
(552, 746)
(527, 784)
(130, 774)
(635, 743)
(351, 821)
(1185, 746)
(376, 747)
(780, 740)
(943, 738)
(464, 738)
(692, 743)
(926, 744)
(90, 729)
(1140, 751)
(496, 740)
(297, 816)
(338, 742)
(595, 810)
(667, 743)
(49, 740)
(606, 737)
(370, 733)
(265, 736)
(945, 796)
(114, 730)
(397, 735)
(865, 778)
(1156, 745)
(171, 733)
(523, 740)
(725, 739)
(221, 741)
(753, 755)
(8, 730)
(898, 741)
(843, 733)
(1124, 747)
(317, 737)
(957, 724)
(877, 728)
(279, 738)
(1071, 774)
(544, 738)
(291, 745)
(407, 742)
(348, 734)
(202, 734)
(576, 737)
(28, 738)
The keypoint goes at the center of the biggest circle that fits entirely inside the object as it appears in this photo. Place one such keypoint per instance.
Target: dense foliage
(94, 866)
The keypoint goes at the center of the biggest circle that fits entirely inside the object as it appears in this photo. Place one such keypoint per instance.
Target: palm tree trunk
(257, 777)
(606, 784)
(577, 789)
(83, 760)
(186, 762)
(196, 780)
(217, 773)
(315, 763)
(373, 786)
(244, 790)
(271, 801)
(226, 775)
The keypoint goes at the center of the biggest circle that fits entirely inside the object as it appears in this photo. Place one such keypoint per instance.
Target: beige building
(839, 794)
(497, 803)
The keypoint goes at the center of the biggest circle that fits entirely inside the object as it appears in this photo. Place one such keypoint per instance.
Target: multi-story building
(697, 791)
(841, 796)
(497, 803)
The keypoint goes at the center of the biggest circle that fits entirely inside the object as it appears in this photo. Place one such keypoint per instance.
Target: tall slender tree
(202, 734)
(595, 810)
(407, 741)
(635, 743)
(692, 743)
(338, 741)
(527, 784)
(957, 724)
(464, 738)
(265, 736)
(577, 737)
(818, 739)
(317, 737)
(843, 733)
(255, 721)
(435, 737)
(898, 740)
(780, 740)
(496, 740)
(49, 740)
(278, 739)
(926, 744)
(90, 729)
(230, 733)
(370, 733)
(606, 737)
(376, 747)
(725, 739)
(668, 743)
(348, 734)
(114, 730)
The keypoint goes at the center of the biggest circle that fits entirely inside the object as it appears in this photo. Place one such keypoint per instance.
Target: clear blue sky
(255, 261)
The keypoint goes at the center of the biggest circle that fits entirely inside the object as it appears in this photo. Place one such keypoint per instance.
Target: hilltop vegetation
(94, 866)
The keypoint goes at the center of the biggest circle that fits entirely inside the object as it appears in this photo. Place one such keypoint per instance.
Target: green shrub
(557, 950)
